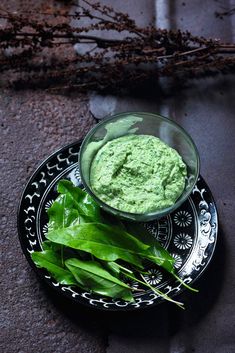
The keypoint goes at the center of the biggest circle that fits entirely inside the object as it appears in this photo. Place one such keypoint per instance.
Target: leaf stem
(124, 268)
(155, 290)
(185, 284)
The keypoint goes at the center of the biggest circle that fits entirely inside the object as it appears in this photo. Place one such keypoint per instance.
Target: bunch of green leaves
(84, 247)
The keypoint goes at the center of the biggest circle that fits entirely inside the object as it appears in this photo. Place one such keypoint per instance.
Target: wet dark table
(34, 124)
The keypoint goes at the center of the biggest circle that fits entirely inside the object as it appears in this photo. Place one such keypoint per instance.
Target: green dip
(138, 174)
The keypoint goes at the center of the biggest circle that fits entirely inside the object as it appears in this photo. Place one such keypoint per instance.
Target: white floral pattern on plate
(183, 241)
(183, 218)
(130, 282)
(178, 260)
(45, 228)
(48, 204)
(153, 277)
(77, 174)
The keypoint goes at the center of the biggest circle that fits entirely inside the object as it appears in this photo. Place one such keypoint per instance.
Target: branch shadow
(160, 321)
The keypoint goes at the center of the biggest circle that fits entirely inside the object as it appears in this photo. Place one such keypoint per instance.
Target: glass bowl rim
(132, 215)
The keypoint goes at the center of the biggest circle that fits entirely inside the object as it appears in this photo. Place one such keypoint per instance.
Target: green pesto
(138, 174)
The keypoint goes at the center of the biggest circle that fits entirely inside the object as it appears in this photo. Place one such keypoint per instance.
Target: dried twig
(132, 54)
(226, 12)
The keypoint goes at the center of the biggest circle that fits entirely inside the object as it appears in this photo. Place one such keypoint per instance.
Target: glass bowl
(140, 123)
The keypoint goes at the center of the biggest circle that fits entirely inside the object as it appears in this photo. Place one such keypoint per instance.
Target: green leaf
(79, 230)
(161, 257)
(103, 241)
(49, 245)
(62, 214)
(47, 259)
(112, 266)
(155, 253)
(81, 201)
(91, 275)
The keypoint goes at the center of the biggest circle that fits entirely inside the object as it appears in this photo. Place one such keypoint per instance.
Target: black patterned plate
(189, 233)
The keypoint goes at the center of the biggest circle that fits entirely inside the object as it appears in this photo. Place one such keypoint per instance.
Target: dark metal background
(34, 124)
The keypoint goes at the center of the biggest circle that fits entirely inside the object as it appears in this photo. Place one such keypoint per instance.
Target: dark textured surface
(33, 124)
